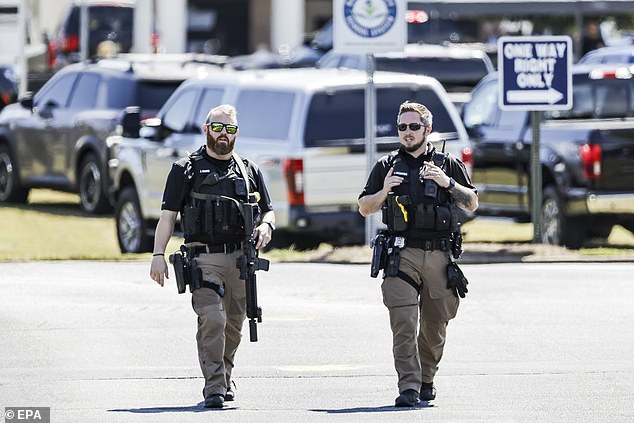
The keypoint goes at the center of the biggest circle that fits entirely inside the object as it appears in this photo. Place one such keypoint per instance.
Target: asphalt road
(100, 342)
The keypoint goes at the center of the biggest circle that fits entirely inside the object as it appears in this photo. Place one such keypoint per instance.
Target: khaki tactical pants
(419, 325)
(219, 319)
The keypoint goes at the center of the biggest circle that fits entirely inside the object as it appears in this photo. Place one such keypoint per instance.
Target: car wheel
(558, 229)
(131, 227)
(92, 197)
(10, 189)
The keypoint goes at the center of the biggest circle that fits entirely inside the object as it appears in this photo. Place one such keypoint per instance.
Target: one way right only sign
(535, 73)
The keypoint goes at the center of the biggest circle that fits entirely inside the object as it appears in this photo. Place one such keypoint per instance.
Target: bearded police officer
(416, 187)
(207, 188)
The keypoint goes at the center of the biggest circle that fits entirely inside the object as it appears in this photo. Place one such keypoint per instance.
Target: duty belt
(441, 244)
(215, 248)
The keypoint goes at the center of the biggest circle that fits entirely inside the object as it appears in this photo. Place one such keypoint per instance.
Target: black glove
(456, 280)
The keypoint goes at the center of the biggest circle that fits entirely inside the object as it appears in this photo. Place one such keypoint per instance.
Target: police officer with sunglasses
(416, 188)
(207, 188)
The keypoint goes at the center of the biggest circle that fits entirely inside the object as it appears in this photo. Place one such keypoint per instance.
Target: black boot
(231, 392)
(427, 392)
(408, 398)
(214, 401)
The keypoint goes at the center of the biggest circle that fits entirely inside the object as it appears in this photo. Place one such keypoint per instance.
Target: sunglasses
(219, 126)
(413, 126)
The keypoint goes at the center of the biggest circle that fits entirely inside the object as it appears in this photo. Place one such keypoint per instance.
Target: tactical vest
(212, 213)
(417, 209)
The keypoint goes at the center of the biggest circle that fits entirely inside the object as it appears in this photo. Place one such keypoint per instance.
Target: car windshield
(452, 73)
(149, 95)
(103, 19)
(598, 98)
(338, 116)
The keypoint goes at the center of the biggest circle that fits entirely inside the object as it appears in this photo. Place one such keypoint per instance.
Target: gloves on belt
(456, 280)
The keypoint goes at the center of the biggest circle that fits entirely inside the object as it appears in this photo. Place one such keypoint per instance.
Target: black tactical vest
(417, 209)
(212, 213)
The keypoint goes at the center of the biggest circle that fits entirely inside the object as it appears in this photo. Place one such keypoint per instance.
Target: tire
(10, 189)
(131, 227)
(558, 229)
(92, 196)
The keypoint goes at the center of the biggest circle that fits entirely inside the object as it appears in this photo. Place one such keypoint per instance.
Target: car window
(177, 116)
(149, 95)
(340, 115)
(153, 94)
(85, 93)
(211, 98)
(58, 91)
(482, 109)
(451, 72)
(265, 114)
(607, 98)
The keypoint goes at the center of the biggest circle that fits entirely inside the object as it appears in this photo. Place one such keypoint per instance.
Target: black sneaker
(427, 392)
(214, 401)
(408, 398)
(231, 392)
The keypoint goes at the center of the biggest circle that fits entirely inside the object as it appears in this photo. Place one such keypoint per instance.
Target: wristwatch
(271, 224)
(452, 184)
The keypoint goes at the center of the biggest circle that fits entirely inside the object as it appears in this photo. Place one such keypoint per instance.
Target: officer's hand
(391, 181)
(159, 269)
(263, 235)
(436, 174)
(456, 281)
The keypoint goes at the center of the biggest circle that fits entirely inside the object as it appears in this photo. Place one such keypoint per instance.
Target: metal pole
(23, 61)
(370, 125)
(536, 180)
(83, 31)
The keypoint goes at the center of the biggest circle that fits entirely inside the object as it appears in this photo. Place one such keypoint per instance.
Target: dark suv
(56, 139)
(107, 21)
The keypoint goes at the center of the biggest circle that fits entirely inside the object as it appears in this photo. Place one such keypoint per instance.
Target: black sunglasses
(413, 126)
(219, 126)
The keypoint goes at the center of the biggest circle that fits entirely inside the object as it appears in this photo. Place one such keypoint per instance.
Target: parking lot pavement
(100, 342)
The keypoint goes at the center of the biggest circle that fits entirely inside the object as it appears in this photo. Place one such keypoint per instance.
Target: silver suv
(303, 127)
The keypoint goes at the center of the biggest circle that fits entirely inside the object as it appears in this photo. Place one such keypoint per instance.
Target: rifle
(248, 264)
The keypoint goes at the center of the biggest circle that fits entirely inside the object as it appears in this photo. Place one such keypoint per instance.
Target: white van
(305, 130)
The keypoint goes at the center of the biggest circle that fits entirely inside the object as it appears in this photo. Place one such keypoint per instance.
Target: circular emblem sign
(370, 18)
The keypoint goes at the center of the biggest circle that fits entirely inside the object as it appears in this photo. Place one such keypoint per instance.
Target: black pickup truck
(586, 154)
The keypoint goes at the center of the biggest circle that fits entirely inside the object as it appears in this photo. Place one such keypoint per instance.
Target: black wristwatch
(271, 224)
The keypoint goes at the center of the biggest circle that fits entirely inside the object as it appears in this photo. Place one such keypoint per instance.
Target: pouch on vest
(397, 216)
(443, 218)
(425, 216)
(191, 220)
(240, 187)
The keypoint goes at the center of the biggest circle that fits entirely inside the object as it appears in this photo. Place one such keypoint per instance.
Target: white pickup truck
(303, 127)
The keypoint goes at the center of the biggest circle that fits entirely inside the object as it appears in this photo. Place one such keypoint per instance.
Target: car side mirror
(26, 100)
(131, 122)
(151, 129)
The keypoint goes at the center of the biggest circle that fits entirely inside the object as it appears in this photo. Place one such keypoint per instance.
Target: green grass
(52, 227)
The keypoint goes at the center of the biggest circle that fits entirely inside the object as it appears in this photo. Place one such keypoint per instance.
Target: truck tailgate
(617, 158)
(333, 178)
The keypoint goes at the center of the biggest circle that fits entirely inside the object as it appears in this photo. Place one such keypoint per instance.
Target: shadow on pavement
(198, 408)
(59, 209)
(381, 409)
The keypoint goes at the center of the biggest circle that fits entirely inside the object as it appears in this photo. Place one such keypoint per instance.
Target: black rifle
(248, 264)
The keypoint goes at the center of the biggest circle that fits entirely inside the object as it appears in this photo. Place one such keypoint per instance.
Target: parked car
(55, 139)
(109, 21)
(305, 129)
(623, 55)
(457, 68)
(586, 153)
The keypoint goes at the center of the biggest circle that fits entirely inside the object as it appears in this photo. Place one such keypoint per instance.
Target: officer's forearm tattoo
(464, 197)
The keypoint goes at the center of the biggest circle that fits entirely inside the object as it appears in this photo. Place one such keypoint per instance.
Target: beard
(415, 146)
(221, 145)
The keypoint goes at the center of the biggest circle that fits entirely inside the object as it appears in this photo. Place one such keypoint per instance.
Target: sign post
(368, 27)
(535, 76)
